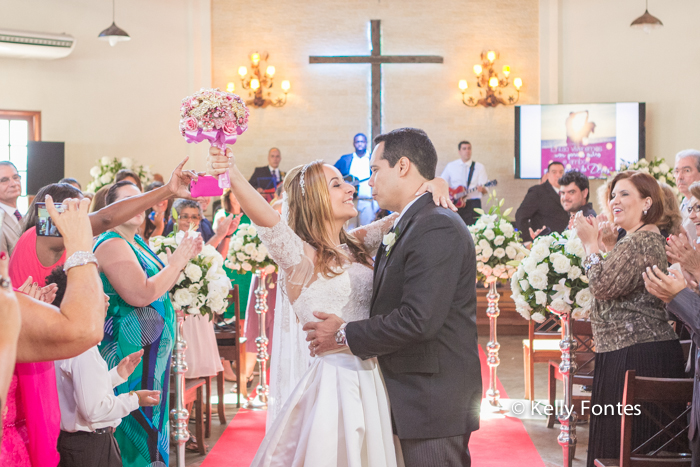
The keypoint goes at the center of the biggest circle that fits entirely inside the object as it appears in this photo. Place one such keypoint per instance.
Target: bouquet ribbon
(218, 139)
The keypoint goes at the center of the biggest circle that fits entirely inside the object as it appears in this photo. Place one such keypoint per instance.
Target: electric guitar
(459, 195)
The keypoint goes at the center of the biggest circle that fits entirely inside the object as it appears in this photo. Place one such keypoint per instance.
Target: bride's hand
(441, 192)
(218, 162)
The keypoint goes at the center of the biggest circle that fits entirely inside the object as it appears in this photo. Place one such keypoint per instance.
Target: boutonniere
(389, 240)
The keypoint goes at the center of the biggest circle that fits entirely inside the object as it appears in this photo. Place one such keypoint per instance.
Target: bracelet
(593, 258)
(79, 258)
(340, 337)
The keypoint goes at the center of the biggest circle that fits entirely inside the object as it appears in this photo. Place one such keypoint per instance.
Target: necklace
(636, 230)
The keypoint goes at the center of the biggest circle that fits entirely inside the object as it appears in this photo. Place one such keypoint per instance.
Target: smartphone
(205, 185)
(44, 224)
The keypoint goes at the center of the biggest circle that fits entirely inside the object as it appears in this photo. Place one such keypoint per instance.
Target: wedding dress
(338, 414)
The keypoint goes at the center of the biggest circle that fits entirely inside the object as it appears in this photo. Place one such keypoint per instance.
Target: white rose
(664, 167)
(213, 273)
(486, 253)
(547, 240)
(543, 268)
(106, 178)
(246, 267)
(537, 279)
(498, 241)
(483, 243)
(575, 247)
(91, 187)
(237, 244)
(522, 307)
(194, 288)
(479, 266)
(105, 160)
(251, 231)
(584, 298)
(260, 257)
(241, 256)
(486, 270)
(529, 264)
(194, 310)
(488, 233)
(538, 317)
(216, 304)
(477, 249)
(127, 162)
(580, 313)
(209, 252)
(560, 263)
(250, 249)
(574, 273)
(95, 172)
(182, 297)
(643, 162)
(507, 229)
(193, 272)
(644, 170)
(242, 230)
(499, 253)
(560, 305)
(539, 252)
(155, 242)
(511, 252)
(520, 256)
(540, 298)
(656, 170)
(270, 268)
(235, 266)
(263, 249)
(525, 285)
(499, 269)
(479, 225)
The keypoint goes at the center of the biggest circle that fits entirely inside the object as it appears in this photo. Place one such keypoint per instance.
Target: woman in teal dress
(231, 206)
(140, 316)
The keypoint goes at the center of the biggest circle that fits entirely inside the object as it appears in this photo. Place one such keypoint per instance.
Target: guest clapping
(140, 316)
(190, 216)
(630, 325)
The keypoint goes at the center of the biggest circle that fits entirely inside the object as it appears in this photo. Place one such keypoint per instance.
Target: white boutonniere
(389, 240)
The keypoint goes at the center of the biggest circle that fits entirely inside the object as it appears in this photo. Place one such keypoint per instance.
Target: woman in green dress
(231, 206)
(140, 316)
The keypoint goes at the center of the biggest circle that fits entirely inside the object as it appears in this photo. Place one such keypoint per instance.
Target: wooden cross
(376, 59)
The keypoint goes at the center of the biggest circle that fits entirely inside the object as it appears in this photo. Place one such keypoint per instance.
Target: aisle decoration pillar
(247, 253)
(201, 289)
(497, 247)
(551, 280)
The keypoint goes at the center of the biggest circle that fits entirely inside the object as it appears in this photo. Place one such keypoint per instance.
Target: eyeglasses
(190, 218)
(6, 180)
(695, 208)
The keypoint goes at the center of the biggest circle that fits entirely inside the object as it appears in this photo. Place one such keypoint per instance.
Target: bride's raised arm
(254, 205)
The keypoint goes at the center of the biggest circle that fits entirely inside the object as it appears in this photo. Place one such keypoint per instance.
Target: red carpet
(499, 442)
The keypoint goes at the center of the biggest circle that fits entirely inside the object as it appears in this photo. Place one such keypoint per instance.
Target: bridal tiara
(302, 183)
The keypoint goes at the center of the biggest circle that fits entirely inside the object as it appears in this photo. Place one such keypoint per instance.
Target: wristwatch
(340, 338)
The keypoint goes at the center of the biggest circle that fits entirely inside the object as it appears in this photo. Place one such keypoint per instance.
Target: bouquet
(552, 275)
(203, 287)
(657, 168)
(104, 172)
(498, 245)
(247, 252)
(216, 116)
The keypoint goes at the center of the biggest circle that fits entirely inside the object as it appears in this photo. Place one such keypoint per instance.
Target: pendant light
(647, 22)
(114, 33)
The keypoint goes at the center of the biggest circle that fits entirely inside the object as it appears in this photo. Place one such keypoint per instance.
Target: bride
(338, 414)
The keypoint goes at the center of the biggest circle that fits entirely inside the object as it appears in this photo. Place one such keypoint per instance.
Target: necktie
(18, 215)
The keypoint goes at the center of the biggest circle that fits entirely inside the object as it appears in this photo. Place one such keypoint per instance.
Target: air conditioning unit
(38, 45)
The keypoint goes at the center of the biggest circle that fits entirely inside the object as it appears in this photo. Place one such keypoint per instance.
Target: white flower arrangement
(247, 253)
(497, 244)
(106, 169)
(657, 168)
(552, 275)
(202, 287)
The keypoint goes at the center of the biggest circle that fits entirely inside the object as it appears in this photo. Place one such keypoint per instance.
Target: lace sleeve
(293, 256)
(371, 234)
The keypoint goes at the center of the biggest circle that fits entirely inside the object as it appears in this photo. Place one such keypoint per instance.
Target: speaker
(45, 164)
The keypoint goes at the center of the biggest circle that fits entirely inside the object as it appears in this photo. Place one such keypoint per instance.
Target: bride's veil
(290, 353)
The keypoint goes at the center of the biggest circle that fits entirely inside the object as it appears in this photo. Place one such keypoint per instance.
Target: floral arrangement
(247, 252)
(498, 245)
(657, 168)
(552, 276)
(216, 116)
(104, 172)
(202, 287)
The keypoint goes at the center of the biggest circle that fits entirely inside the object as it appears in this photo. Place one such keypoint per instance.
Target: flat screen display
(591, 138)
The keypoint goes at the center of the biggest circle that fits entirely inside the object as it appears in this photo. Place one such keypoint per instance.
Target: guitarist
(469, 174)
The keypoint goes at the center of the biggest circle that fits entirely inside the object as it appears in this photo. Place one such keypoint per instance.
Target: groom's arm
(432, 270)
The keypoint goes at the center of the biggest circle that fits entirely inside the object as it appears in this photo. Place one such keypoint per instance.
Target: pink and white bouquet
(216, 116)
(248, 253)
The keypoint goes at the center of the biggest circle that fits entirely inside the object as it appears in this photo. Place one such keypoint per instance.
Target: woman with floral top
(630, 326)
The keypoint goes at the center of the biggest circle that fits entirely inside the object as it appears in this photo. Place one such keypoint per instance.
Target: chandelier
(258, 82)
(491, 84)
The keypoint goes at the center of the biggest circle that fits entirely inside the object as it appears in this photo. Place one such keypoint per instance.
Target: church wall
(329, 103)
(111, 101)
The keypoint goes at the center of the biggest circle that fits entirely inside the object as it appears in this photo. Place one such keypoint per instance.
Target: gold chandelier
(491, 84)
(258, 81)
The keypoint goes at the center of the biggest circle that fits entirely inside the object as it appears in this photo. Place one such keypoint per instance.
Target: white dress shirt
(359, 168)
(456, 173)
(276, 173)
(86, 393)
(10, 211)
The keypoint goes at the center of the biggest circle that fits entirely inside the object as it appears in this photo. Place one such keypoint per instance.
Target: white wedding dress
(338, 414)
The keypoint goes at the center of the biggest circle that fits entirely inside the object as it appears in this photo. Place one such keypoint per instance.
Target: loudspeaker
(45, 164)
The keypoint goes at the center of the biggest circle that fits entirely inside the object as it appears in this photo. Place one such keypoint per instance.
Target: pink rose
(230, 127)
(189, 124)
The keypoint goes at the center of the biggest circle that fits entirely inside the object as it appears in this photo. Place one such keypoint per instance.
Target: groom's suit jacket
(422, 325)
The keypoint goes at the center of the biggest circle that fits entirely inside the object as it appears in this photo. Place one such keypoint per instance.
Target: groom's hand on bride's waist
(321, 334)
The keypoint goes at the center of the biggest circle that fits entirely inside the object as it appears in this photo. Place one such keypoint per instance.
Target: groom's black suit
(422, 325)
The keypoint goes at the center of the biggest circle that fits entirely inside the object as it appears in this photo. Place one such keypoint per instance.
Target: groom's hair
(412, 144)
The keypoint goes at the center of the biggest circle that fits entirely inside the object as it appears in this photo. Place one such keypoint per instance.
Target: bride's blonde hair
(311, 214)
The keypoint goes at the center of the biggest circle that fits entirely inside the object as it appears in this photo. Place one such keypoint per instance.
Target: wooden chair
(231, 345)
(673, 433)
(585, 362)
(541, 346)
(193, 397)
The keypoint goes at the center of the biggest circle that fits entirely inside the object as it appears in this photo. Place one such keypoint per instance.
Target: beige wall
(114, 101)
(328, 104)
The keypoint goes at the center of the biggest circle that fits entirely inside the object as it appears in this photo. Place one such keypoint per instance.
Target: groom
(422, 324)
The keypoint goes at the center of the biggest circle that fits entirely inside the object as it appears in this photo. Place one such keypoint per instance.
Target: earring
(645, 212)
